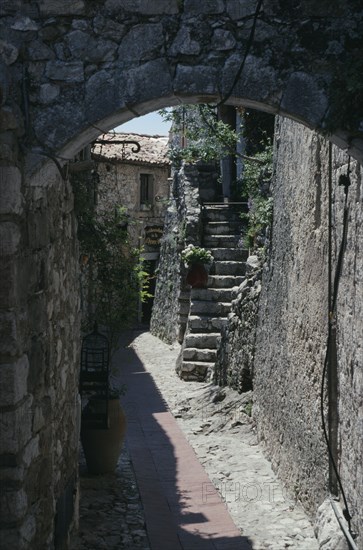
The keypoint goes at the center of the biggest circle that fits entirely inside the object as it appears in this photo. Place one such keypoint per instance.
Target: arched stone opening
(71, 70)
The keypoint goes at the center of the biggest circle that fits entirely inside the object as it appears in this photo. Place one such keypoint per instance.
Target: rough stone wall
(182, 226)
(292, 328)
(350, 342)
(39, 350)
(235, 357)
(72, 70)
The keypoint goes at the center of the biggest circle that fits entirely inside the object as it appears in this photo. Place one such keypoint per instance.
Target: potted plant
(197, 259)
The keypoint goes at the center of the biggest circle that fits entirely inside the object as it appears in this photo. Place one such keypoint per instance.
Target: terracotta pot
(197, 276)
(102, 447)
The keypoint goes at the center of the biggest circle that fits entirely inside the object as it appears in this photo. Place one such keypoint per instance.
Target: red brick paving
(183, 510)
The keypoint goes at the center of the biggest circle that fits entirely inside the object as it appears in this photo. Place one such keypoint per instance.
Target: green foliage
(207, 138)
(248, 408)
(255, 184)
(256, 170)
(196, 254)
(114, 270)
(259, 217)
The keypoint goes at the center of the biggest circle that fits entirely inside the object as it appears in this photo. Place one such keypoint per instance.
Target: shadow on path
(183, 510)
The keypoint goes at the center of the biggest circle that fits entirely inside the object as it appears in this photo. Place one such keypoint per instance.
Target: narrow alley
(192, 475)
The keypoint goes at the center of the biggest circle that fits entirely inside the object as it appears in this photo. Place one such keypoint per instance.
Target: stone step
(210, 308)
(212, 294)
(224, 281)
(224, 213)
(220, 241)
(228, 254)
(221, 228)
(194, 370)
(202, 340)
(204, 323)
(202, 355)
(229, 268)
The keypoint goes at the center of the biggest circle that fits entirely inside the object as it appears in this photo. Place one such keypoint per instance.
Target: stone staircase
(209, 307)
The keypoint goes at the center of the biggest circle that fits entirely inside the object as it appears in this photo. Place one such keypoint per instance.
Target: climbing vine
(112, 270)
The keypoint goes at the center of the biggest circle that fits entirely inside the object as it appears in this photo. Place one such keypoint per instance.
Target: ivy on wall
(112, 270)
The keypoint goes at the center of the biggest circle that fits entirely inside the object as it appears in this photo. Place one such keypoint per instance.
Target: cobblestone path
(222, 435)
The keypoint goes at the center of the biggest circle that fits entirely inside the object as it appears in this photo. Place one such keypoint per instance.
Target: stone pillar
(16, 445)
(39, 358)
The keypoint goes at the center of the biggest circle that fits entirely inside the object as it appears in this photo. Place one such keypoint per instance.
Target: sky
(151, 124)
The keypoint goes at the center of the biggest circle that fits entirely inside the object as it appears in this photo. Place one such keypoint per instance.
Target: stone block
(10, 190)
(207, 6)
(304, 98)
(31, 451)
(198, 79)
(141, 43)
(9, 238)
(38, 51)
(101, 94)
(257, 82)
(85, 47)
(155, 73)
(10, 6)
(145, 7)
(56, 123)
(65, 71)
(13, 381)
(8, 334)
(48, 93)
(184, 44)
(223, 40)
(13, 505)
(327, 528)
(240, 10)
(15, 428)
(24, 23)
(8, 52)
(38, 229)
(61, 7)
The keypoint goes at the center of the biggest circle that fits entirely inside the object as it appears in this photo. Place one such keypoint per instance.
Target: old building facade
(133, 174)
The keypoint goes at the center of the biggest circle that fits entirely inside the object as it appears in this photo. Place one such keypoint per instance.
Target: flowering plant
(196, 254)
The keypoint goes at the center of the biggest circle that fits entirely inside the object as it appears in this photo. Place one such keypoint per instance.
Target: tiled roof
(153, 149)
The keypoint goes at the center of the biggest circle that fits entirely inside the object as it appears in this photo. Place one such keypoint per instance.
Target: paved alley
(198, 479)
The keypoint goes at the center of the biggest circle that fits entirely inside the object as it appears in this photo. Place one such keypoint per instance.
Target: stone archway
(70, 70)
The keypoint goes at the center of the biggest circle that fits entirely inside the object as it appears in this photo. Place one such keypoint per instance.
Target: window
(146, 190)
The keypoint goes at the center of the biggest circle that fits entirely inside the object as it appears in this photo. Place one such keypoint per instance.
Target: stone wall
(120, 185)
(73, 70)
(350, 342)
(293, 322)
(39, 410)
(182, 226)
(235, 356)
(286, 352)
(292, 329)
